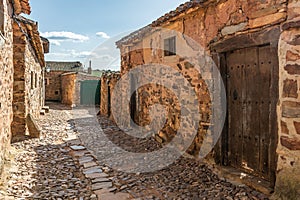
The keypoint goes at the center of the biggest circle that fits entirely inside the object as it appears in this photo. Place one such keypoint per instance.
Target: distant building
(64, 82)
(65, 66)
(54, 70)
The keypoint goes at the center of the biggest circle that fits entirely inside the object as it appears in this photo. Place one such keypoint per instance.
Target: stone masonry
(208, 22)
(6, 80)
(108, 82)
(71, 86)
(289, 106)
(28, 76)
(53, 77)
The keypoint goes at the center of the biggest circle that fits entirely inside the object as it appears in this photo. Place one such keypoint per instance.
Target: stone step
(46, 108)
(42, 112)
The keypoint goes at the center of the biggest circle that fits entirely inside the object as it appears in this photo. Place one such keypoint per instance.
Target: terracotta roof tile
(21, 6)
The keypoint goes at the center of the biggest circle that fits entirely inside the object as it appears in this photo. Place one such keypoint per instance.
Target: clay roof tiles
(33, 36)
(21, 6)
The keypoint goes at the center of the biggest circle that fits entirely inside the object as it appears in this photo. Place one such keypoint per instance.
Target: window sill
(171, 59)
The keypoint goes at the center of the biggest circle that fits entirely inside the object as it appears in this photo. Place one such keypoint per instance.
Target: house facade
(6, 78)
(53, 77)
(29, 66)
(108, 83)
(68, 83)
(22, 71)
(80, 89)
(255, 45)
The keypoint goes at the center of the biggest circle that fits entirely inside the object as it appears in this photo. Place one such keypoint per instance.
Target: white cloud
(103, 35)
(56, 37)
(68, 55)
(55, 42)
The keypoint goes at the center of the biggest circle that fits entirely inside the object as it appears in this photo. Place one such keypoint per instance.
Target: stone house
(255, 45)
(21, 62)
(29, 65)
(108, 82)
(53, 77)
(64, 82)
(80, 89)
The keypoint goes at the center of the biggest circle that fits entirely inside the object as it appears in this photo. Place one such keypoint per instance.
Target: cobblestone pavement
(61, 166)
(44, 168)
(184, 179)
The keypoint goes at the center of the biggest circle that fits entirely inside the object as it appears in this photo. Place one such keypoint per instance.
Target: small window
(36, 80)
(47, 81)
(32, 80)
(170, 46)
(2, 18)
(56, 92)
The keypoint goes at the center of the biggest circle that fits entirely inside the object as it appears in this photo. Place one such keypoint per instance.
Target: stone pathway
(186, 178)
(59, 165)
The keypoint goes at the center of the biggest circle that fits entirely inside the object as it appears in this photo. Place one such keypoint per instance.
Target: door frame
(269, 36)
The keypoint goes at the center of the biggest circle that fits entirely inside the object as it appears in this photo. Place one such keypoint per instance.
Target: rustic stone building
(255, 44)
(108, 82)
(6, 78)
(80, 89)
(21, 72)
(29, 65)
(53, 77)
(67, 83)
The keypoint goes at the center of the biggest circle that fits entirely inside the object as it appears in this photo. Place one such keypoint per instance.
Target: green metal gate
(90, 92)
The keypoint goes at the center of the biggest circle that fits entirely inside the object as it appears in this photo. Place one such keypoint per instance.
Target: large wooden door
(252, 90)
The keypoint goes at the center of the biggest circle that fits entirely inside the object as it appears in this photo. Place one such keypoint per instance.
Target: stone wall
(53, 85)
(288, 177)
(6, 81)
(204, 24)
(70, 87)
(28, 77)
(211, 23)
(108, 83)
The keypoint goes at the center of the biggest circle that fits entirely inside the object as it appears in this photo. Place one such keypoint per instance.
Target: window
(2, 17)
(170, 46)
(36, 80)
(2, 21)
(32, 80)
(47, 81)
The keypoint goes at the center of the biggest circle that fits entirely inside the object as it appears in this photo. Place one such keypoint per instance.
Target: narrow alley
(59, 166)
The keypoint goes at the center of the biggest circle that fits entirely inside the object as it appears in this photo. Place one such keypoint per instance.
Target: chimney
(90, 68)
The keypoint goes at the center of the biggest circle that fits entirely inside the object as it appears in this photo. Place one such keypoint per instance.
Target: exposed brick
(297, 127)
(290, 143)
(293, 69)
(290, 56)
(284, 128)
(233, 29)
(295, 40)
(291, 109)
(291, 24)
(290, 88)
(267, 20)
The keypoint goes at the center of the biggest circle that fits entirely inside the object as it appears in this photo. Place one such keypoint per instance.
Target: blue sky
(77, 27)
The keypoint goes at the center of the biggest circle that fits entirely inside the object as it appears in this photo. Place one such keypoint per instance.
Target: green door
(90, 92)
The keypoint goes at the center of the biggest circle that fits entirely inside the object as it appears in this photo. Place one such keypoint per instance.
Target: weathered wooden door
(252, 90)
(90, 92)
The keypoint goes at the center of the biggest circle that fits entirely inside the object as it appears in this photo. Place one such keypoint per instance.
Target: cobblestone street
(58, 166)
